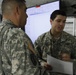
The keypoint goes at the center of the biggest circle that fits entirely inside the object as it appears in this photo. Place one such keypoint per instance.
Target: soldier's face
(66, 57)
(58, 23)
(23, 16)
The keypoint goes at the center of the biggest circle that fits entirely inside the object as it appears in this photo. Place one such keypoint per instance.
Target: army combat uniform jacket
(14, 51)
(46, 44)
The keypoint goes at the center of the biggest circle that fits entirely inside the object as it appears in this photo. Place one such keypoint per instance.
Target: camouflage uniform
(47, 44)
(16, 48)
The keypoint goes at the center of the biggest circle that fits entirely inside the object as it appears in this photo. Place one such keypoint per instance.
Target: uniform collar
(7, 21)
(63, 34)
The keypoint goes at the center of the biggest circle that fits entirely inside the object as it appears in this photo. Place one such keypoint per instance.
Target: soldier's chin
(59, 31)
(25, 22)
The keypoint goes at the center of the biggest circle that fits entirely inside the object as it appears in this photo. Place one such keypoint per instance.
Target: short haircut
(8, 5)
(57, 12)
(65, 52)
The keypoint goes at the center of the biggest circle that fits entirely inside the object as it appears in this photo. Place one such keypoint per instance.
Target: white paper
(60, 66)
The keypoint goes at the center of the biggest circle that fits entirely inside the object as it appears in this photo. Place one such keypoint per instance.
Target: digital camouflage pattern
(15, 45)
(46, 44)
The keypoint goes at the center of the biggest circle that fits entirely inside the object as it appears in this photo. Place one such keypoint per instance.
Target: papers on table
(60, 66)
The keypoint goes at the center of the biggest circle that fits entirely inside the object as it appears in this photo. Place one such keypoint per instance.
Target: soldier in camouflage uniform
(15, 45)
(54, 40)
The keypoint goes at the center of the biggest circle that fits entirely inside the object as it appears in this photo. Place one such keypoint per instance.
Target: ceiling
(31, 3)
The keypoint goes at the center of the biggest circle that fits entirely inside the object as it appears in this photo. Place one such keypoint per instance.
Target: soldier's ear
(51, 21)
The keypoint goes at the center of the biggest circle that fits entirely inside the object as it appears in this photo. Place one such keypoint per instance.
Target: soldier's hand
(47, 66)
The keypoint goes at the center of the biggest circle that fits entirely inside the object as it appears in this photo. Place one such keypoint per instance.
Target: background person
(54, 40)
(65, 55)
